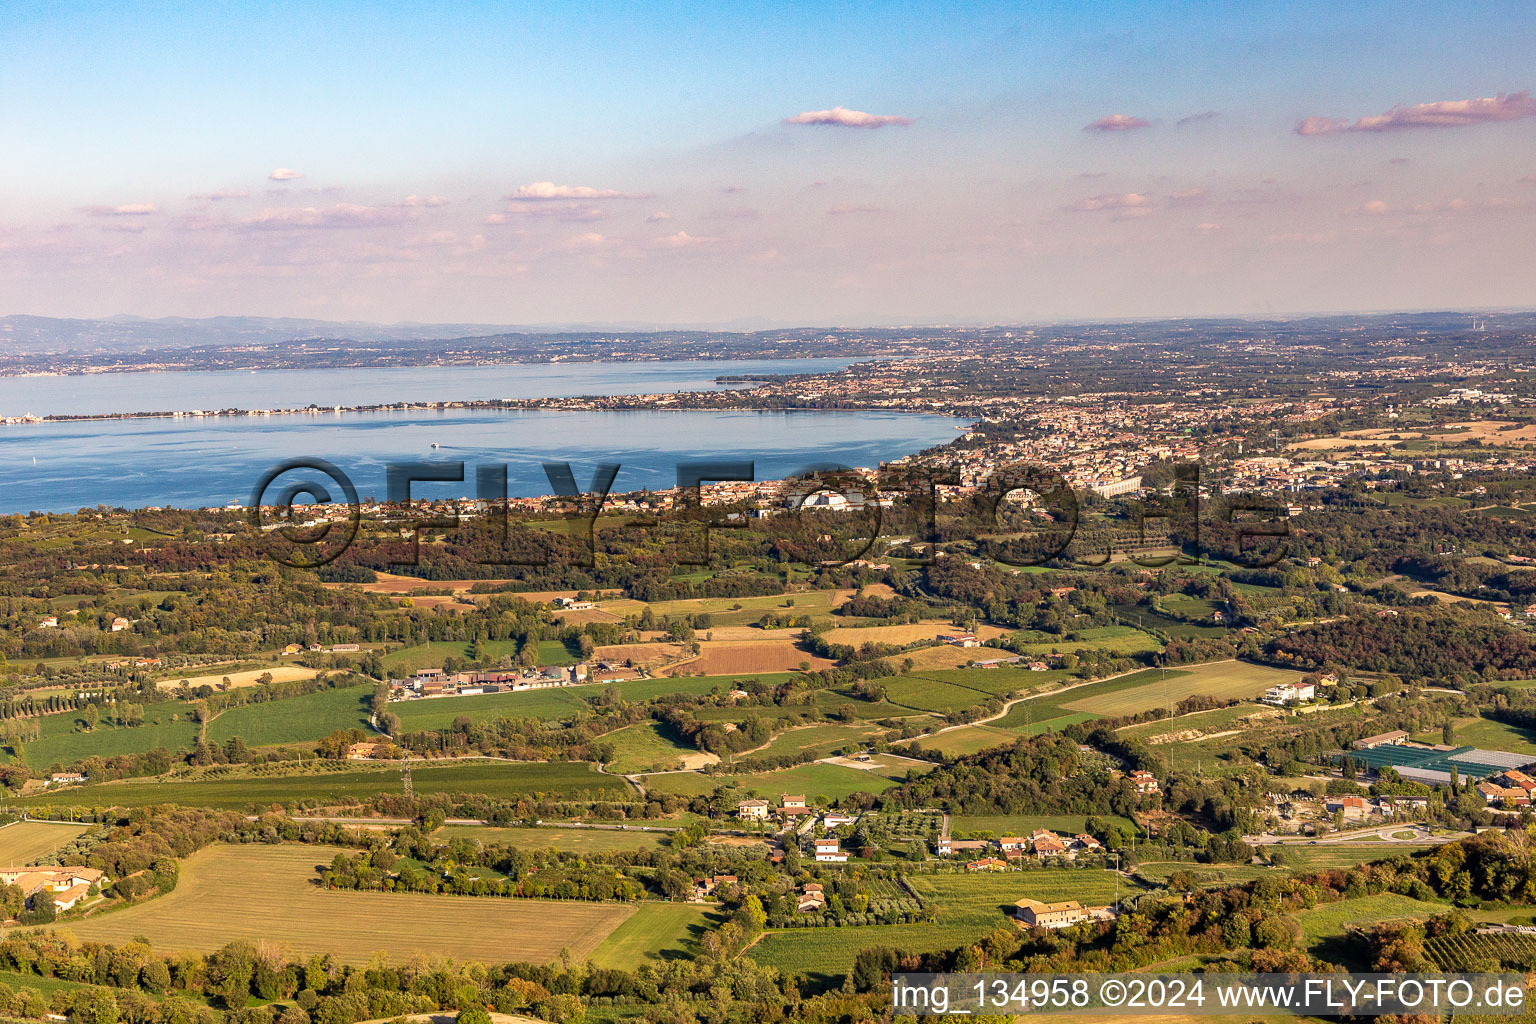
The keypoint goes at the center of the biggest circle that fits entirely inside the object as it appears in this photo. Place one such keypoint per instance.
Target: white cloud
(428, 201)
(545, 191)
(658, 217)
(223, 193)
(682, 240)
(126, 210)
(842, 117)
(285, 174)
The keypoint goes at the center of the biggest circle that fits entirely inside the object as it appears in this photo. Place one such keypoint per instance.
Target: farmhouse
(119, 624)
(1144, 782)
(65, 778)
(66, 886)
(752, 810)
(829, 851)
(364, 751)
(987, 864)
(1065, 914)
(1047, 843)
(959, 639)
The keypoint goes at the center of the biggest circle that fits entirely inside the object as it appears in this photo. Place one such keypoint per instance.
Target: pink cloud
(126, 210)
(342, 215)
(1124, 201)
(842, 117)
(1444, 114)
(658, 217)
(427, 201)
(546, 191)
(682, 240)
(1529, 179)
(1116, 123)
(285, 174)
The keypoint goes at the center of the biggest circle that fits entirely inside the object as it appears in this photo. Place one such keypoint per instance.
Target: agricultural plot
(777, 652)
(645, 747)
(1329, 919)
(648, 689)
(295, 719)
(575, 840)
(654, 931)
(66, 740)
(25, 842)
(1146, 690)
(818, 740)
(240, 790)
(431, 654)
(243, 677)
(268, 894)
(968, 907)
(440, 712)
(968, 739)
(925, 694)
(1122, 640)
(1473, 952)
(742, 611)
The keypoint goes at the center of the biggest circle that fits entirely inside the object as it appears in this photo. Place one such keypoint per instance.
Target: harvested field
(24, 842)
(778, 654)
(909, 633)
(249, 677)
(640, 654)
(267, 893)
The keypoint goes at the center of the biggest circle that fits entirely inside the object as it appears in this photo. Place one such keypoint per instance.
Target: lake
(64, 466)
(103, 393)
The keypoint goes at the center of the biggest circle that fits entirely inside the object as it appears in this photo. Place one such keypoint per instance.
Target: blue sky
(143, 143)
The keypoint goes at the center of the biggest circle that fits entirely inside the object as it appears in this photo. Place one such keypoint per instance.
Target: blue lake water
(211, 461)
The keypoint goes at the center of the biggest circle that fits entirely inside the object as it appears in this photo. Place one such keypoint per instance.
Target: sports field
(23, 842)
(267, 894)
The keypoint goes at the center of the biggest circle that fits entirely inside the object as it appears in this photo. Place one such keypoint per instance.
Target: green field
(1491, 735)
(431, 654)
(1328, 919)
(65, 740)
(440, 712)
(1221, 679)
(655, 931)
(574, 840)
(266, 894)
(1123, 640)
(644, 747)
(24, 842)
(968, 908)
(238, 790)
(818, 740)
(1300, 859)
(294, 720)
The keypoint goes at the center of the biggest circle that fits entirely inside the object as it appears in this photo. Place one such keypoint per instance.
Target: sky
(744, 164)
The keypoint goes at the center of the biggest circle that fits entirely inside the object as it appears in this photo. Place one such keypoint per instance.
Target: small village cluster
(66, 886)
